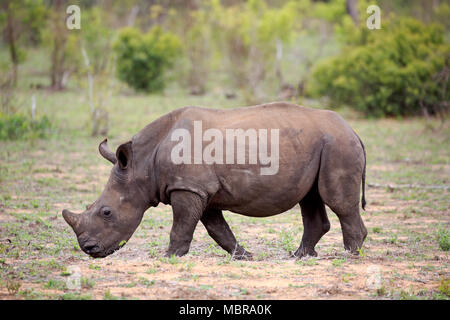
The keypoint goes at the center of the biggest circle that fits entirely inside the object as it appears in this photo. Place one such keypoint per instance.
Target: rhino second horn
(71, 218)
(106, 153)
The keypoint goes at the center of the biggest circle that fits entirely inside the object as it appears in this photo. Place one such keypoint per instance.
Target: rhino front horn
(71, 218)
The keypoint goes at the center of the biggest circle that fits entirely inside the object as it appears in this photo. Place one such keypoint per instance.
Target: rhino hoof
(303, 253)
(244, 255)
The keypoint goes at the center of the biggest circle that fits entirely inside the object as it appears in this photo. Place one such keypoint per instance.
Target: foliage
(399, 70)
(18, 126)
(259, 50)
(142, 59)
(96, 40)
(443, 237)
(13, 286)
(333, 11)
(198, 48)
(444, 286)
(63, 45)
(19, 19)
(248, 35)
(27, 17)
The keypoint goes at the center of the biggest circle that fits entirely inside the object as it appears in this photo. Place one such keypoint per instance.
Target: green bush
(443, 237)
(18, 126)
(142, 59)
(398, 70)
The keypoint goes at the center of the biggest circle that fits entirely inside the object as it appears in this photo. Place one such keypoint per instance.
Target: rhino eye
(106, 212)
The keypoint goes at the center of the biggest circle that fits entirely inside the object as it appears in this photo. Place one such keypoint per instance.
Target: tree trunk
(133, 15)
(279, 58)
(12, 45)
(352, 10)
(59, 42)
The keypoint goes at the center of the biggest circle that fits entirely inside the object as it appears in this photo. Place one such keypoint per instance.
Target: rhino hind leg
(219, 230)
(339, 186)
(315, 223)
(353, 230)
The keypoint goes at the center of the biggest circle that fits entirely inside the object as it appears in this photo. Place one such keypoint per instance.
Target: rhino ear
(123, 155)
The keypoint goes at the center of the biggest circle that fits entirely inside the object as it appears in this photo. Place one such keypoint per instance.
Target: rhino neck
(145, 145)
(145, 180)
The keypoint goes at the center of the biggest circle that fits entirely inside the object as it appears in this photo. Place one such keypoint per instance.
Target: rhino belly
(246, 192)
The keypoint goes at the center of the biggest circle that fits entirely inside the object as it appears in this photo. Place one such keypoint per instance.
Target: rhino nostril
(91, 248)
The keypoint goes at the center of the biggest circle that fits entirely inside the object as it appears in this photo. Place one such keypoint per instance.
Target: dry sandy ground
(401, 257)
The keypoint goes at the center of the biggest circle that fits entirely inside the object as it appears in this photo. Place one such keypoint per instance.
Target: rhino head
(110, 221)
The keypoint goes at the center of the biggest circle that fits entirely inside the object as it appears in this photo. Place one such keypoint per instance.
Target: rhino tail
(363, 197)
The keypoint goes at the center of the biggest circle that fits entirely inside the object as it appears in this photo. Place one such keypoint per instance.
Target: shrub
(399, 70)
(142, 59)
(443, 237)
(18, 126)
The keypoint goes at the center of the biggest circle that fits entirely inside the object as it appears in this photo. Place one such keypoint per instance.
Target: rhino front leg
(219, 230)
(187, 210)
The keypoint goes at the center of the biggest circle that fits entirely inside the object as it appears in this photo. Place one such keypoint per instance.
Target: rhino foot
(304, 252)
(241, 254)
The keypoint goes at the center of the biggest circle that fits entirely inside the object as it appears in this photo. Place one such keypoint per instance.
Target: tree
(64, 45)
(58, 33)
(98, 66)
(198, 47)
(19, 18)
(250, 35)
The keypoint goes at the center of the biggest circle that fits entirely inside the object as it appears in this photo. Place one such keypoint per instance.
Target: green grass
(173, 259)
(55, 284)
(75, 296)
(307, 262)
(87, 283)
(109, 296)
(338, 262)
(376, 230)
(443, 238)
(145, 282)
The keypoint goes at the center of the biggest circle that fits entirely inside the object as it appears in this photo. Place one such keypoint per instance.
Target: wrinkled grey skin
(322, 162)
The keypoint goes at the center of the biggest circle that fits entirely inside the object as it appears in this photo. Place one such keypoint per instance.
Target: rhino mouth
(98, 255)
(98, 251)
(93, 248)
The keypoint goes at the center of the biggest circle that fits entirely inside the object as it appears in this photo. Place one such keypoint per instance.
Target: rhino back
(240, 187)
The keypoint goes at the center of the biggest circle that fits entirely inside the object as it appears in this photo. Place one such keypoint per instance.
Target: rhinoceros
(186, 159)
